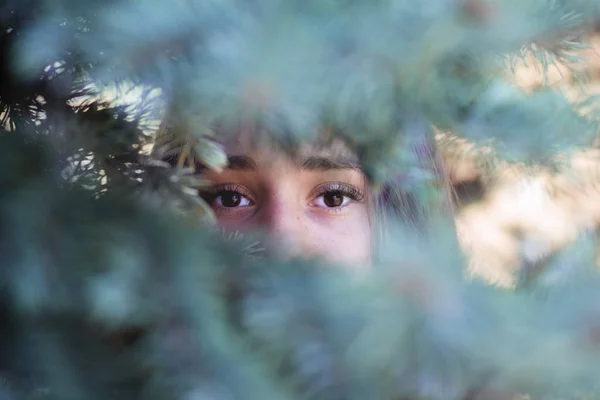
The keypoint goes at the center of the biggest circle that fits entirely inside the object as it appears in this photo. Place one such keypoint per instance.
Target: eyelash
(211, 195)
(344, 189)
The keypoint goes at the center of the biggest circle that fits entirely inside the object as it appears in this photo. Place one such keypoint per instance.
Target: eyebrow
(246, 163)
(241, 163)
(327, 163)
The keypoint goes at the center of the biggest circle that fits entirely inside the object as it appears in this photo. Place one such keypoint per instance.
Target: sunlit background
(510, 214)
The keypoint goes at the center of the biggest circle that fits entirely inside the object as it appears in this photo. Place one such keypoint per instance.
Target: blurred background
(510, 214)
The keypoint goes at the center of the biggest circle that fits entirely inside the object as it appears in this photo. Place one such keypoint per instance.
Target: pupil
(231, 199)
(333, 199)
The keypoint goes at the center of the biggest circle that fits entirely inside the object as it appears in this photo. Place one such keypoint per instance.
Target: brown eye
(333, 199)
(334, 196)
(230, 198)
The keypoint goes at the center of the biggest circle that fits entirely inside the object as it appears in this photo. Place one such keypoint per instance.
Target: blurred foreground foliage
(108, 290)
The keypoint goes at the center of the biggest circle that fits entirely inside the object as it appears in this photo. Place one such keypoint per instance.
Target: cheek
(346, 240)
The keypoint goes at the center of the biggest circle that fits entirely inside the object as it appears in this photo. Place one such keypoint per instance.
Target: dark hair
(401, 200)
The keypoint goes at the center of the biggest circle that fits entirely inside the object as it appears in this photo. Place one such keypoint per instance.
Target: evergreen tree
(107, 293)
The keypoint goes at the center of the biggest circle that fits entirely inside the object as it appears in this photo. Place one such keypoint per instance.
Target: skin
(312, 203)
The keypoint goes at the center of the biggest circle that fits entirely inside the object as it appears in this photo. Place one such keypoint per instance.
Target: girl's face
(314, 203)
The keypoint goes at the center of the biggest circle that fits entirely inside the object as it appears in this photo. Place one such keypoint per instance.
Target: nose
(288, 234)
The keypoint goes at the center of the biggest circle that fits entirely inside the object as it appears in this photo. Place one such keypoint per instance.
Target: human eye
(334, 196)
(227, 198)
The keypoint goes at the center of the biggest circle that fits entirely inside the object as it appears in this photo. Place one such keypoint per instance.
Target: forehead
(268, 146)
